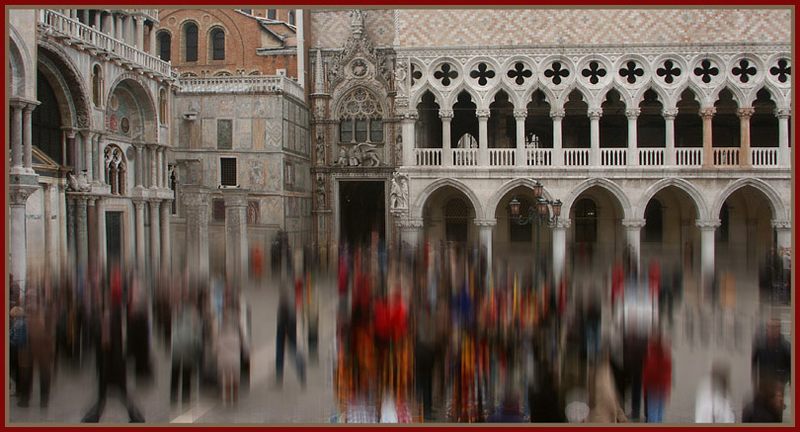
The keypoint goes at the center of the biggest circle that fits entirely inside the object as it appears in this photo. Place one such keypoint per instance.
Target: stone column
(560, 247)
(70, 147)
(96, 24)
(160, 167)
(447, 152)
(63, 245)
(195, 202)
(100, 158)
(669, 135)
(594, 135)
(166, 244)
(483, 137)
(151, 40)
(139, 165)
(118, 28)
(633, 142)
(633, 230)
(783, 231)
(558, 154)
(410, 231)
(784, 153)
(708, 148)
(16, 137)
(155, 236)
(26, 136)
(485, 228)
(409, 136)
(82, 233)
(707, 239)
(744, 138)
(153, 149)
(100, 222)
(519, 117)
(91, 234)
(17, 244)
(139, 22)
(72, 249)
(88, 141)
(140, 262)
(236, 247)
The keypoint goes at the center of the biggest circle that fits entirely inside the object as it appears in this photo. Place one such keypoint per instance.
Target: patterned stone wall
(331, 28)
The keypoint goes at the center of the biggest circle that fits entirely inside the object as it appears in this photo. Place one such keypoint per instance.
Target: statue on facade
(398, 196)
(320, 149)
(320, 190)
(357, 19)
(342, 160)
(364, 154)
(79, 183)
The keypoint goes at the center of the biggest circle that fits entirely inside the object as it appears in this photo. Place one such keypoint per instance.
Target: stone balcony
(85, 38)
(242, 84)
(690, 157)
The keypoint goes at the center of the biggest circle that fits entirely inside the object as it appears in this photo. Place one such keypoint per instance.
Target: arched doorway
(522, 247)
(670, 234)
(449, 218)
(595, 234)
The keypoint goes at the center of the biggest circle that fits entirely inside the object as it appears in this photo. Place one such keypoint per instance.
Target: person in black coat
(771, 356)
(768, 404)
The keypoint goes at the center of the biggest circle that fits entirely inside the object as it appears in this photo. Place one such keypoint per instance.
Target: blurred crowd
(422, 334)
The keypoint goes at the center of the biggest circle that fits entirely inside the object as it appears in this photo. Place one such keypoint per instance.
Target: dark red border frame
(367, 3)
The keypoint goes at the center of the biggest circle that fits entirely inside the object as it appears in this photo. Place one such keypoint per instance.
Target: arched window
(291, 17)
(467, 141)
(97, 85)
(456, 215)
(190, 39)
(217, 44)
(271, 14)
(654, 227)
(360, 118)
(115, 169)
(164, 45)
(162, 106)
(585, 221)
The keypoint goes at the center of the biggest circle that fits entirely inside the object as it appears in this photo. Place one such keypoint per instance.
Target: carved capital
(139, 205)
(483, 113)
(781, 224)
(521, 114)
(411, 224)
(708, 224)
(563, 224)
(634, 223)
(632, 113)
(485, 223)
(18, 194)
(410, 116)
(446, 114)
(595, 113)
(669, 113)
(745, 113)
(557, 114)
(707, 113)
(783, 113)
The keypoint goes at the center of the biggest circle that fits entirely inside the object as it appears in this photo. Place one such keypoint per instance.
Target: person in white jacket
(713, 403)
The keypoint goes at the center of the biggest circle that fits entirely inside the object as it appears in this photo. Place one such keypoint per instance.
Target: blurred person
(138, 327)
(424, 346)
(186, 347)
(771, 356)
(19, 355)
(634, 351)
(41, 334)
(713, 402)
(287, 333)
(657, 377)
(606, 406)
(229, 348)
(510, 410)
(544, 396)
(768, 403)
(111, 366)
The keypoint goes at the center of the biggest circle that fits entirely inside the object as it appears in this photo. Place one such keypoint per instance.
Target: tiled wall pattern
(331, 28)
(418, 28)
(422, 28)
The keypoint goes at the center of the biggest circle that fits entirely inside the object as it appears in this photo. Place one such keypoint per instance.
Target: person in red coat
(657, 378)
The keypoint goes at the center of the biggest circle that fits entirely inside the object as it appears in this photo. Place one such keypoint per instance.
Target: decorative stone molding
(745, 113)
(18, 194)
(485, 223)
(410, 224)
(707, 112)
(633, 113)
(483, 113)
(783, 113)
(557, 114)
(520, 114)
(595, 113)
(708, 224)
(669, 113)
(410, 116)
(446, 114)
(630, 224)
(781, 224)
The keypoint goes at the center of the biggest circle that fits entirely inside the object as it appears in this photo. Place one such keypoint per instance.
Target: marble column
(118, 27)
(669, 135)
(155, 236)
(70, 144)
(744, 135)
(82, 234)
(483, 137)
(72, 249)
(236, 246)
(152, 149)
(18, 247)
(783, 233)
(166, 244)
(594, 135)
(100, 158)
(151, 40)
(486, 227)
(707, 239)
(784, 152)
(160, 167)
(140, 260)
(558, 154)
(411, 232)
(633, 143)
(139, 23)
(195, 202)
(91, 234)
(409, 136)
(708, 148)
(519, 118)
(447, 152)
(96, 24)
(27, 158)
(16, 136)
(560, 247)
(87, 148)
(100, 223)
(139, 164)
(63, 244)
(633, 231)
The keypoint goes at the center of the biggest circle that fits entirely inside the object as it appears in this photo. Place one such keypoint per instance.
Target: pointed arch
(512, 96)
(452, 98)
(624, 95)
(422, 198)
(71, 91)
(610, 186)
(667, 100)
(738, 96)
(776, 203)
(549, 96)
(697, 197)
(20, 62)
(416, 98)
(699, 95)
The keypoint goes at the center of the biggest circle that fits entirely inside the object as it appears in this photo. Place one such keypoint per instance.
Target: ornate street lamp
(544, 212)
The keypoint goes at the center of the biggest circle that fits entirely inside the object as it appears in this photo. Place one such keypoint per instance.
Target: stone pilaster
(594, 134)
(236, 246)
(519, 118)
(558, 154)
(708, 147)
(633, 143)
(18, 248)
(633, 231)
(669, 135)
(744, 141)
(155, 236)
